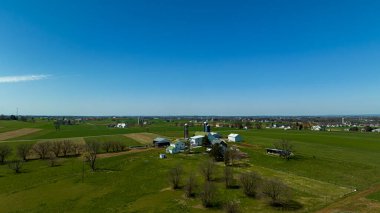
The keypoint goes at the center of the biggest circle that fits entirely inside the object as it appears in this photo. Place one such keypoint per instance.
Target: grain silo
(186, 131)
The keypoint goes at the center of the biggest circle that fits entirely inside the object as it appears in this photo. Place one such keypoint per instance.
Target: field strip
(109, 155)
(17, 133)
(51, 139)
(144, 138)
(356, 201)
(304, 184)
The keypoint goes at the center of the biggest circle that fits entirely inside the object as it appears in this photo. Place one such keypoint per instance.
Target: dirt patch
(17, 133)
(114, 154)
(355, 203)
(144, 138)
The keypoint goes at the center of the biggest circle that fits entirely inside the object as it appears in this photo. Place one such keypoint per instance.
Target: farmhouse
(234, 138)
(161, 142)
(376, 130)
(176, 147)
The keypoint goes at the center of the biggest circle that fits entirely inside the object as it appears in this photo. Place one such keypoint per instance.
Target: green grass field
(327, 166)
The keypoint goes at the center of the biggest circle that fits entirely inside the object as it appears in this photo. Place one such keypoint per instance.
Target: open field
(17, 133)
(332, 172)
(143, 138)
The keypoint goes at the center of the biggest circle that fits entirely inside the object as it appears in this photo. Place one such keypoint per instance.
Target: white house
(176, 147)
(121, 125)
(316, 128)
(196, 140)
(376, 130)
(234, 138)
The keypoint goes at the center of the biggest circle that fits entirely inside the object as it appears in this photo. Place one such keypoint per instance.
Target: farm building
(121, 125)
(161, 142)
(162, 156)
(316, 128)
(176, 147)
(376, 130)
(216, 135)
(234, 138)
(208, 134)
(196, 140)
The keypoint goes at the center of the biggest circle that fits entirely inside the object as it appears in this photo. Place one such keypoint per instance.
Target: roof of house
(233, 135)
(197, 136)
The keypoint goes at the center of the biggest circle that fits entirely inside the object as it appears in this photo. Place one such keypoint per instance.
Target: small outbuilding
(376, 130)
(161, 142)
(234, 138)
(162, 156)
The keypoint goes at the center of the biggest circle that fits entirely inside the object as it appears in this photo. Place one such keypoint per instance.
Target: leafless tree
(23, 150)
(5, 151)
(232, 206)
(79, 148)
(56, 148)
(207, 169)
(42, 149)
(67, 147)
(175, 176)
(208, 195)
(92, 149)
(228, 176)
(190, 185)
(251, 182)
(15, 165)
(53, 160)
(230, 156)
(276, 191)
(286, 147)
(107, 146)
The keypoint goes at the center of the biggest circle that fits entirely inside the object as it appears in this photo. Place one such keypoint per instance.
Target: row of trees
(252, 184)
(50, 151)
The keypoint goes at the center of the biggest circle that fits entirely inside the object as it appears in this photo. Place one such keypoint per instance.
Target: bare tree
(207, 169)
(92, 149)
(208, 195)
(53, 160)
(56, 148)
(175, 176)
(286, 147)
(15, 165)
(107, 146)
(78, 148)
(23, 151)
(251, 182)
(230, 156)
(190, 186)
(67, 147)
(228, 176)
(232, 206)
(276, 191)
(42, 149)
(5, 151)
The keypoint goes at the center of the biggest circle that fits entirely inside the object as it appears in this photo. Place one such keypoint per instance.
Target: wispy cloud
(21, 78)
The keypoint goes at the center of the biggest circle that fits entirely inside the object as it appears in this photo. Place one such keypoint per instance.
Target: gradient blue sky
(164, 57)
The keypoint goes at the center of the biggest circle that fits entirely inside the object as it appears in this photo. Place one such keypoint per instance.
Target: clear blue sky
(194, 57)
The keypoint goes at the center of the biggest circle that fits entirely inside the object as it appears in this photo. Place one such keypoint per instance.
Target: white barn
(121, 125)
(176, 147)
(234, 138)
(196, 140)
